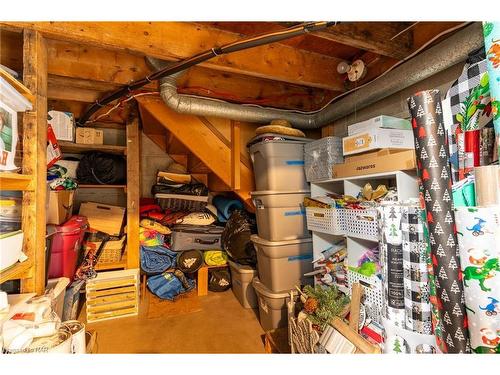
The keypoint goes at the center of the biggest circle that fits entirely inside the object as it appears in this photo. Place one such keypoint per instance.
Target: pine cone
(311, 305)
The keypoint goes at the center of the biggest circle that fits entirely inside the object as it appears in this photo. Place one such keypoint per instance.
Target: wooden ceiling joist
(179, 40)
(378, 37)
(102, 70)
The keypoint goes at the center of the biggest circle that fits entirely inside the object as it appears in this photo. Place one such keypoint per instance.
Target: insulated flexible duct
(451, 51)
(177, 67)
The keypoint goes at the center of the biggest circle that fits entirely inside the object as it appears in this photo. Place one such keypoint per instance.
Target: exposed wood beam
(371, 36)
(235, 155)
(34, 159)
(133, 188)
(178, 40)
(86, 67)
(307, 42)
(342, 40)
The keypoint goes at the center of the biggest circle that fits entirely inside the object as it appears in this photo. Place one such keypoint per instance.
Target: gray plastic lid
(260, 241)
(261, 289)
(242, 268)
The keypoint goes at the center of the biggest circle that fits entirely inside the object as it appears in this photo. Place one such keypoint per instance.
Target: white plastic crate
(326, 220)
(362, 223)
(372, 291)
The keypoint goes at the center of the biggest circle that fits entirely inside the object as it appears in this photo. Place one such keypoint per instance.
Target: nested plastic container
(9, 225)
(11, 247)
(282, 264)
(273, 312)
(66, 243)
(241, 284)
(11, 204)
(279, 165)
(10, 210)
(281, 215)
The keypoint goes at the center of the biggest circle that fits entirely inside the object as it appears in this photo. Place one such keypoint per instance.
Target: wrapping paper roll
(492, 47)
(435, 193)
(391, 250)
(487, 185)
(479, 244)
(416, 278)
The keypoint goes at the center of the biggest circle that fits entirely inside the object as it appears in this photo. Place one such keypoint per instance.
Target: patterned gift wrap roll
(416, 278)
(391, 250)
(479, 244)
(435, 193)
(491, 32)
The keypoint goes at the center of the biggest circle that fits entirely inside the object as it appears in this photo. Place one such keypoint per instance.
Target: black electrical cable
(240, 45)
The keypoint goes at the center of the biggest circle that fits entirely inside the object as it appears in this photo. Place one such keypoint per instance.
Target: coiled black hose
(240, 45)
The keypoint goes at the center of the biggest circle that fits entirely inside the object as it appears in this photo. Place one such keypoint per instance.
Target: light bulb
(343, 67)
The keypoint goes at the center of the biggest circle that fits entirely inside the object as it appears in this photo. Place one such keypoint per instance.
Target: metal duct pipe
(436, 59)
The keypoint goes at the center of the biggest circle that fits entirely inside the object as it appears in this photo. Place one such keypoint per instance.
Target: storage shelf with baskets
(358, 227)
(122, 253)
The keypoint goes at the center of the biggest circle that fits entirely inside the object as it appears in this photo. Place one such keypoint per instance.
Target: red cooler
(66, 244)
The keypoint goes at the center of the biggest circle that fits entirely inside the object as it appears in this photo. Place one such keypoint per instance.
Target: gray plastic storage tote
(241, 280)
(281, 214)
(282, 264)
(273, 311)
(196, 237)
(279, 165)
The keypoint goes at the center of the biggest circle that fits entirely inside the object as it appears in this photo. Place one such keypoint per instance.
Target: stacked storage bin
(283, 243)
(11, 236)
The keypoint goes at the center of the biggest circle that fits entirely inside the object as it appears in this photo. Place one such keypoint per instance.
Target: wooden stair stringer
(201, 141)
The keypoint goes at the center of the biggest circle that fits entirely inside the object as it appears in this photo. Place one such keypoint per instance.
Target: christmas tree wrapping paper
(416, 278)
(479, 243)
(391, 260)
(433, 167)
(491, 31)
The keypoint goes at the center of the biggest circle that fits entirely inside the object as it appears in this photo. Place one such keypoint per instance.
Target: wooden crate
(113, 295)
(103, 217)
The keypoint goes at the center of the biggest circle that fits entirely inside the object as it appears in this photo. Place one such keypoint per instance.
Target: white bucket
(58, 343)
(77, 329)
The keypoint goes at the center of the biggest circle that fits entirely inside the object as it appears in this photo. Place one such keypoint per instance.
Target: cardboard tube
(487, 185)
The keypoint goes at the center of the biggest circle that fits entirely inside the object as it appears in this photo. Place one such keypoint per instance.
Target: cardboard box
(63, 124)
(103, 217)
(381, 161)
(378, 138)
(53, 151)
(60, 206)
(386, 122)
(89, 136)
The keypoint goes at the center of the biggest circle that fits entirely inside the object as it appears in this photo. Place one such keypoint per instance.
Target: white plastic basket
(362, 224)
(372, 291)
(326, 220)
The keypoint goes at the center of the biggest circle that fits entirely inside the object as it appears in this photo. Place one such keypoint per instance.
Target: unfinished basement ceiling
(85, 62)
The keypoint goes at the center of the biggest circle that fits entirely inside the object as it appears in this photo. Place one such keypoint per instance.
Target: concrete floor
(222, 326)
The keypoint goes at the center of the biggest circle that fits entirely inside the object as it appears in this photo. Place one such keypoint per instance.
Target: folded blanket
(156, 259)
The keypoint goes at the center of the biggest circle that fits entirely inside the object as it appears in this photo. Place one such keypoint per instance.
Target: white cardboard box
(386, 122)
(63, 124)
(378, 138)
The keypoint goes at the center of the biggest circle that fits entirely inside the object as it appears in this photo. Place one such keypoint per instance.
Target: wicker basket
(112, 251)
